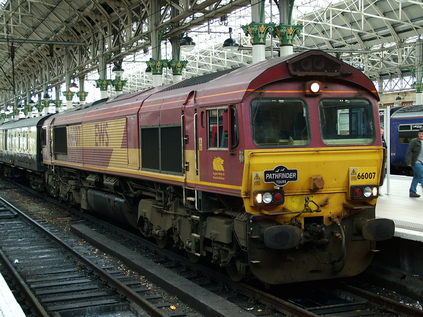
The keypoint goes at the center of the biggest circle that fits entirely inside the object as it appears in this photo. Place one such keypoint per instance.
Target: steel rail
(138, 300)
(276, 303)
(29, 293)
(383, 301)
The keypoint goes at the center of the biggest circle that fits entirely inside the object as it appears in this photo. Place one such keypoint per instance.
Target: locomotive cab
(312, 173)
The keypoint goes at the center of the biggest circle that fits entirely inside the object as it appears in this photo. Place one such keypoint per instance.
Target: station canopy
(43, 40)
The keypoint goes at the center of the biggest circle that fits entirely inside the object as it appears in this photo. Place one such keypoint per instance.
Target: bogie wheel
(161, 241)
(237, 270)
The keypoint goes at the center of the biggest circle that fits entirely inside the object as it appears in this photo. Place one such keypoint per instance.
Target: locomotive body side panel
(105, 143)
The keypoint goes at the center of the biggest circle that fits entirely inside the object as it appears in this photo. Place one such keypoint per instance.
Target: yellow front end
(320, 228)
(323, 183)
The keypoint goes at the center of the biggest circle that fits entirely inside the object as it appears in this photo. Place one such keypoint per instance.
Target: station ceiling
(42, 40)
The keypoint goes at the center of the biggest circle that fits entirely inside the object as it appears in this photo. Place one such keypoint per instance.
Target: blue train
(405, 122)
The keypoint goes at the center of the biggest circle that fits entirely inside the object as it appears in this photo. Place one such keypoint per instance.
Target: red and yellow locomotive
(271, 169)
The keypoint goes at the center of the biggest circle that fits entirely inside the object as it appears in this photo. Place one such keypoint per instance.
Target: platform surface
(406, 212)
(9, 307)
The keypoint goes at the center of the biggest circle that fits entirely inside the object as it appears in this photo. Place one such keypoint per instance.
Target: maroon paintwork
(155, 107)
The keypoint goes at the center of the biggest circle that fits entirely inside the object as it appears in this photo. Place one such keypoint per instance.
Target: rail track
(58, 280)
(201, 285)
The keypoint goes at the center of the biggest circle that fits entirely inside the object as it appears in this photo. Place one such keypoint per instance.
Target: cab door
(219, 164)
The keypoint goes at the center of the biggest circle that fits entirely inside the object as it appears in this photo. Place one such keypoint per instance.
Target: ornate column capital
(118, 84)
(286, 33)
(157, 65)
(82, 95)
(418, 87)
(258, 31)
(177, 66)
(68, 95)
(102, 84)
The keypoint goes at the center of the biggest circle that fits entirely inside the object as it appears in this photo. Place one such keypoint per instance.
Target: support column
(176, 64)
(285, 30)
(57, 100)
(380, 84)
(45, 101)
(102, 82)
(258, 30)
(28, 101)
(419, 72)
(67, 93)
(156, 63)
(82, 95)
(117, 70)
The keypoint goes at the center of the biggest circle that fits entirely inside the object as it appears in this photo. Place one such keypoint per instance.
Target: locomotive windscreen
(346, 121)
(278, 122)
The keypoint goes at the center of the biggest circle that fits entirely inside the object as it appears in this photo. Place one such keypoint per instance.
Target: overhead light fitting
(230, 44)
(117, 71)
(186, 44)
(73, 87)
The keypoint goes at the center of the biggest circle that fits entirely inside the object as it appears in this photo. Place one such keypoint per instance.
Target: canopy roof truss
(41, 41)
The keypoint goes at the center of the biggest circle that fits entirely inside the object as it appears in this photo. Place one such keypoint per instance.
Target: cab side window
(217, 128)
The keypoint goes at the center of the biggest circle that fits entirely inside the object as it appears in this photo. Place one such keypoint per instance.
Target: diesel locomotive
(270, 170)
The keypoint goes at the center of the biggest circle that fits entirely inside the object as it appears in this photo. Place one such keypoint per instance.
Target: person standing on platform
(414, 158)
(385, 148)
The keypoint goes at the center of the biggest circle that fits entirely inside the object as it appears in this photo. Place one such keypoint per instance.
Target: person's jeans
(417, 176)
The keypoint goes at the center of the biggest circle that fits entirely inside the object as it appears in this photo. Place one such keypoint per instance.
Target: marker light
(364, 192)
(277, 196)
(375, 191)
(259, 198)
(269, 198)
(358, 192)
(315, 87)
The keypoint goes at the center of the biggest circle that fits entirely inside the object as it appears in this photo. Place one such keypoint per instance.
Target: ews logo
(101, 134)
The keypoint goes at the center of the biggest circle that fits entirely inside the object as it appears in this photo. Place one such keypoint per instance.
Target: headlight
(367, 191)
(315, 87)
(267, 197)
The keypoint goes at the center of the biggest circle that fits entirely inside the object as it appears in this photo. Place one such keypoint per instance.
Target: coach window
(346, 121)
(43, 136)
(60, 142)
(407, 132)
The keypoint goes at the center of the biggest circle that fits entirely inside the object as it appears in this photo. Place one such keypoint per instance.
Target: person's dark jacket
(413, 151)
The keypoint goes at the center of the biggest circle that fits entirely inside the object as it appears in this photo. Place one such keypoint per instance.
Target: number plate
(363, 175)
